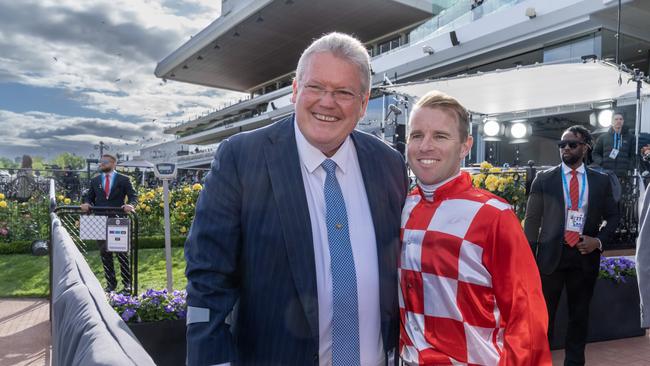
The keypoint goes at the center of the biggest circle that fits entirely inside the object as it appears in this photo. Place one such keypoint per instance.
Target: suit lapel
(556, 191)
(591, 199)
(283, 166)
(371, 171)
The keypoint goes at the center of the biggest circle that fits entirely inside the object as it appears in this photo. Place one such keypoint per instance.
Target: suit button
(315, 357)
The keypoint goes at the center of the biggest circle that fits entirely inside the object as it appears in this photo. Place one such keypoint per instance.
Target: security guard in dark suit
(566, 207)
(111, 189)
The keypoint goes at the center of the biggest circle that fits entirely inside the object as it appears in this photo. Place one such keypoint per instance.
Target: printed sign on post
(117, 235)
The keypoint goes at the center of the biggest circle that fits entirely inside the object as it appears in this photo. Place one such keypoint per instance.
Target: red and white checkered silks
(470, 292)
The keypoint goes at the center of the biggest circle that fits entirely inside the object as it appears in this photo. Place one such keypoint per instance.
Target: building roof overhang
(244, 49)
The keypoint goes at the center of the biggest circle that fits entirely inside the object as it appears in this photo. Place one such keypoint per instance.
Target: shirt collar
(312, 158)
(109, 174)
(567, 171)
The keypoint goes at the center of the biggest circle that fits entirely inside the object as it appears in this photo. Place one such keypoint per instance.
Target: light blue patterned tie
(345, 317)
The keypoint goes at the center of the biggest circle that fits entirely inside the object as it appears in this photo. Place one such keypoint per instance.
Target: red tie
(572, 237)
(107, 185)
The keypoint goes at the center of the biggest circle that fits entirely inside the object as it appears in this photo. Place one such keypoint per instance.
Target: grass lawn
(23, 275)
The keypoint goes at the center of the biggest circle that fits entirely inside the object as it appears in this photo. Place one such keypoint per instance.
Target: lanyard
(582, 190)
(617, 141)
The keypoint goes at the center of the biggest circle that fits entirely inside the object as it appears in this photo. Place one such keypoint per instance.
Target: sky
(73, 73)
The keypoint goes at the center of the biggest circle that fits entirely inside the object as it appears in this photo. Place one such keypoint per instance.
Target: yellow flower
(147, 209)
(187, 190)
(501, 188)
(478, 179)
(485, 165)
(60, 197)
(162, 205)
(159, 189)
(183, 229)
(67, 201)
(2, 196)
(3, 204)
(495, 170)
(197, 187)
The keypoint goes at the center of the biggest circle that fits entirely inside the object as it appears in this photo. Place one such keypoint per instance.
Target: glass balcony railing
(451, 18)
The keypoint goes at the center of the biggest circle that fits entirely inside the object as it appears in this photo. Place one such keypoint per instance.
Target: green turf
(23, 275)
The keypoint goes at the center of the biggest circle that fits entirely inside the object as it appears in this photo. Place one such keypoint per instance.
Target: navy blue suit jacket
(545, 217)
(251, 243)
(122, 188)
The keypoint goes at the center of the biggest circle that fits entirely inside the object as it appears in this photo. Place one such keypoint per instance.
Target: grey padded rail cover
(85, 328)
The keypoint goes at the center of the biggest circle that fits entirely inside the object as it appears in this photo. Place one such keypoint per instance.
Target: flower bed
(157, 319)
(617, 269)
(23, 221)
(150, 306)
(506, 183)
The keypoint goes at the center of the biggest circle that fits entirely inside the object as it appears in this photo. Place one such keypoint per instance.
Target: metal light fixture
(518, 131)
(605, 117)
(491, 130)
(531, 13)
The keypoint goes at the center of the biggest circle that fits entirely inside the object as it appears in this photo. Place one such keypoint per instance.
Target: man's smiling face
(324, 120)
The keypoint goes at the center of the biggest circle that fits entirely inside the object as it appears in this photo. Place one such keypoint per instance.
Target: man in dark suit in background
(566, 207)
(111, 189)
(299, 223)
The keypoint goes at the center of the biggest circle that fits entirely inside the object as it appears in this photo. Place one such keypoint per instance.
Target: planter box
(614, 313)
(164, 340)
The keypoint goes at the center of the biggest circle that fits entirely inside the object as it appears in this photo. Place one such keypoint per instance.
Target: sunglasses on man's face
(572, 144)
(105, 161)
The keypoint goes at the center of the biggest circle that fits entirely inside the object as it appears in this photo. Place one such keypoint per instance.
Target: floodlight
(491, 128)
(605, 117)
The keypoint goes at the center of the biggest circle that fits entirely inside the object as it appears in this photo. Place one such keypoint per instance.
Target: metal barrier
(71, 217)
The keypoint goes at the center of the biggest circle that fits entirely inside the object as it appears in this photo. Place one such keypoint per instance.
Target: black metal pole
(618, 34)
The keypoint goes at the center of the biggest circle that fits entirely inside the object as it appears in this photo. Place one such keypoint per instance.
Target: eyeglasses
(339, 95)
(105, 161)
(571, 144)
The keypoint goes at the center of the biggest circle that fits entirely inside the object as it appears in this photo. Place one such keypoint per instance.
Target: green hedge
(158, 241)
(16, 247)
(145, 242)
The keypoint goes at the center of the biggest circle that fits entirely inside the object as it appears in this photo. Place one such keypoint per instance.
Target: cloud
(50, 134)
(101, 54)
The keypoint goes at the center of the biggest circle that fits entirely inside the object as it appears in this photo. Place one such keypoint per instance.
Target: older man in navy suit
(299, 225)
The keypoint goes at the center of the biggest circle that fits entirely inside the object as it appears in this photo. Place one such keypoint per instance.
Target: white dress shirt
(581, 173)
(362, 239)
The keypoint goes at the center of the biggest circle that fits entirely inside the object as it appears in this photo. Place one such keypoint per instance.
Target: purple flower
(128, 314)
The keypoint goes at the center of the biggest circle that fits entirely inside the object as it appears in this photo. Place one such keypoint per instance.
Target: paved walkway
(629, 352)
(24, 332)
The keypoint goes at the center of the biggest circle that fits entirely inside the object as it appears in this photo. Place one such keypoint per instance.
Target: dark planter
(614, 313)
(163, 340)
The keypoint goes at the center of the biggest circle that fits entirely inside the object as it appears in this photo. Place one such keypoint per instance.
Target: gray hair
(343, 46)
